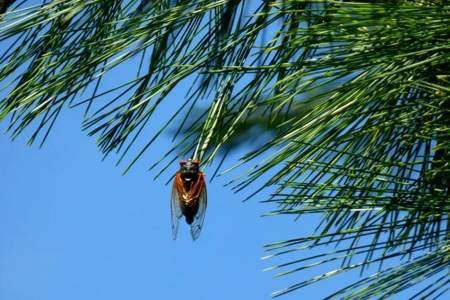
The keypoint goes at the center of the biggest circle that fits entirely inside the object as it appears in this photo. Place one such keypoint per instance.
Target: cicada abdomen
(189, 198)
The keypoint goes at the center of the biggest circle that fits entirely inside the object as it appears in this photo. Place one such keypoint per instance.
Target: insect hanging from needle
(189, 197)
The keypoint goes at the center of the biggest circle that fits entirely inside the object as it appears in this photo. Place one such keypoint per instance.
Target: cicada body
(189, 197)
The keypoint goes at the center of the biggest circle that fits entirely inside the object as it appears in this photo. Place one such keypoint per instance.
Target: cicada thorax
(188, 196)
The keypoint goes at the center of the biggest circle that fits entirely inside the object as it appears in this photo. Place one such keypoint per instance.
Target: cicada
(189, 197)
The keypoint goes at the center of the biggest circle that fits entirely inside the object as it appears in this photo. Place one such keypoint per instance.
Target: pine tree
(355, 96)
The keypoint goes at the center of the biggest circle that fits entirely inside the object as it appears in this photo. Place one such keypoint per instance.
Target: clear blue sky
(71, 227)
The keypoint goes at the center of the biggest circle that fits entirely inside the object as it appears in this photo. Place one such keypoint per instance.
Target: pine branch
(354, 94)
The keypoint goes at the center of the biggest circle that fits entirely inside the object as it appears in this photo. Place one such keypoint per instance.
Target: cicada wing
(197, 224)
(175, 207)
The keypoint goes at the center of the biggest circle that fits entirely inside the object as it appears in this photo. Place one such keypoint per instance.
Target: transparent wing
(175, 208)
(197, 224)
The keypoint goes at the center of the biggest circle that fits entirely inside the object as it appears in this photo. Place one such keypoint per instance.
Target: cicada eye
(182, 162)
(197, 162)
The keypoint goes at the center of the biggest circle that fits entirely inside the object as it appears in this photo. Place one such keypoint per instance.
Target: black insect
(189, 197)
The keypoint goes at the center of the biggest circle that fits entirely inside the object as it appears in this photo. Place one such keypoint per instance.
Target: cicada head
(189, 169)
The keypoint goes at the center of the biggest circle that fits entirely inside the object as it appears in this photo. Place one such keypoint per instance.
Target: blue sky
(71, 227)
